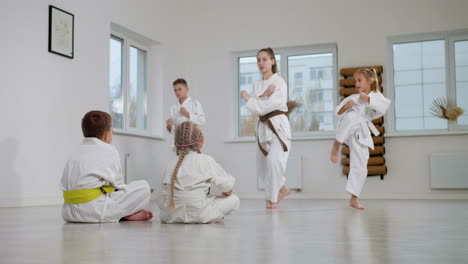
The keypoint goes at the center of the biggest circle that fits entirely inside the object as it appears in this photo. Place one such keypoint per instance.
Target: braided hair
(188, 137)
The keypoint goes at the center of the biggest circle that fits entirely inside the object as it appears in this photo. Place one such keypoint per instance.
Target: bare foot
(285, 191)
(270, 205)
(355, 204)
(142, 215)
(334, 151)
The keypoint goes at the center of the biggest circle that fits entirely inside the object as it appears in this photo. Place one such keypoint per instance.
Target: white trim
(284, 52)
(252, 139)
(425, 133)
(132, 34)
(118, 131)
(387, 135)
(240, 140)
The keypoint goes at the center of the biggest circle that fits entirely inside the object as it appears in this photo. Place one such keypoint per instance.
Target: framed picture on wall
(61, 32)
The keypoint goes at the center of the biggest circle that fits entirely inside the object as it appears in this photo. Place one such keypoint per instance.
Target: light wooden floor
(302, 231)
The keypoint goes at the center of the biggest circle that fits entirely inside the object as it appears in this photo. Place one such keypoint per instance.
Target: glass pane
(115, 82)
(431, 76)
(137, 91)
(432, 92)
(311, 85)
(408, 77)
(419, 78)
(409, 123)
(432, 122)
(461, 78)
(433, 54)
(407, 56)
(462, 101)
(248, 74)
(408, 101)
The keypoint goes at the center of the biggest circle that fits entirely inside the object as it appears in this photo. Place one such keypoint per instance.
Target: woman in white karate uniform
(269, 100)
(195, 189)
(355, 114)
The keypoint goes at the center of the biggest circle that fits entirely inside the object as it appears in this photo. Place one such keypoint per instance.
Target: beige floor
(302, 231)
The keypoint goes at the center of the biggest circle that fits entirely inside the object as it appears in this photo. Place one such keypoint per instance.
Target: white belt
(372, 127)
(189, 195)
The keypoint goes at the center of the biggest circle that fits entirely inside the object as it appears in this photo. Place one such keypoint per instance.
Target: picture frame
(61, 32)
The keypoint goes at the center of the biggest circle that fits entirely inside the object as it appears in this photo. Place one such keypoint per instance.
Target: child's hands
(227, 193)
(345, 107)
(169, 124)
(271, 88)
(184, 112)
(245, 95)
(364, 97)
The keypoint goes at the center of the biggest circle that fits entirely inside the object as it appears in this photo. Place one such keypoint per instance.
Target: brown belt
(266, 118)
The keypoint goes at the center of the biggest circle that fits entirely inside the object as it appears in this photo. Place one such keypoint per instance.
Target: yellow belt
(85, 195)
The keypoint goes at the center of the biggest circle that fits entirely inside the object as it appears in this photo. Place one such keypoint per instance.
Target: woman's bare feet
(334, 151)
(284, 191)
(142, 215)
(355, 204)
(270, 205)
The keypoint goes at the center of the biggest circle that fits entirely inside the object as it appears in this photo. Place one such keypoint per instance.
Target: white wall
(45, 95)
(360, 28)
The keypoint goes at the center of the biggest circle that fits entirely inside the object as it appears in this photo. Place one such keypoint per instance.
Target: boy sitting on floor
(92, 183)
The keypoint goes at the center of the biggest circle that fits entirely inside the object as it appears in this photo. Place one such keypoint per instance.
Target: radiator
(293, 175)
(449, 170)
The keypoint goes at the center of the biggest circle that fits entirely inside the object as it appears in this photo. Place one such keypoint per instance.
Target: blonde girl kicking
(355, 114)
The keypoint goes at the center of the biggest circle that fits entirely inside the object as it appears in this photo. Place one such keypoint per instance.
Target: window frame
(454, 126)
(131, 39)
(284, 52)
(449, 37)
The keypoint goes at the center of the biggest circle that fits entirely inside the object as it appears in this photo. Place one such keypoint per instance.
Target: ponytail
(375, 84)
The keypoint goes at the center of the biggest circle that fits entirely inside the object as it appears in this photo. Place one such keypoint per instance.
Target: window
(425, 68)
(315, 73)
(298, 80)
(316, 95)
(137, 89)
(419, 78)
(115, 81)
(461, 78)
(128, 84)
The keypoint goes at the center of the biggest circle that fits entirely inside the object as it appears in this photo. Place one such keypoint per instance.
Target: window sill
(252, 139)
(136, 134)
(425, 133)
(240, 140)
(388, 135)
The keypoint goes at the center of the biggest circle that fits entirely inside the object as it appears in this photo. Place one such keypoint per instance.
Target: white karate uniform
(197, 115)
(271, 169)
(198, 197)
(94, 164)
(352, 128)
